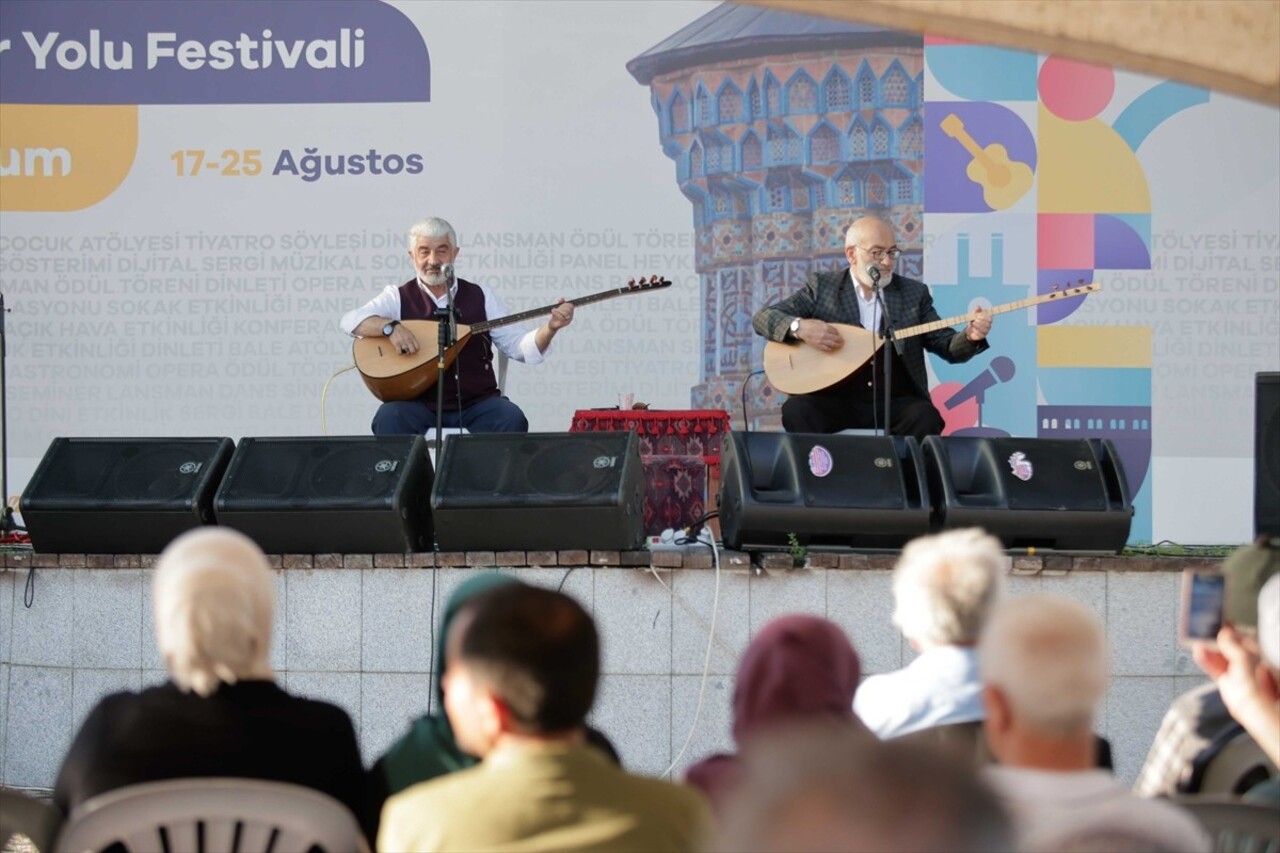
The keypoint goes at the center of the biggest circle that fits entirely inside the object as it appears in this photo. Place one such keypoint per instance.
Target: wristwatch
(388, 327)
(794, 328)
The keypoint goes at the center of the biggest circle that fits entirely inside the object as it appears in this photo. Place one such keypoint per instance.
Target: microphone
(873, 272)
(447, 269)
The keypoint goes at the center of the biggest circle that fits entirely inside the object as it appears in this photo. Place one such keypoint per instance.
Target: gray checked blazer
(829, 296)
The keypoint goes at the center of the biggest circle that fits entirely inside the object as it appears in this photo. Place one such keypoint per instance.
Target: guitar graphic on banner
(391, 375)
(1003, 181)
(797, 368)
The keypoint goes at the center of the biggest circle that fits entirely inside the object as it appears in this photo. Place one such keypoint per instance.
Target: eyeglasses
(880, 254)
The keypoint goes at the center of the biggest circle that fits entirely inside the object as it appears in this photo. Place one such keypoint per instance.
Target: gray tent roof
(731, 31)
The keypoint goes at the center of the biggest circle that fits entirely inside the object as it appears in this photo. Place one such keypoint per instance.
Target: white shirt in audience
(938, 688)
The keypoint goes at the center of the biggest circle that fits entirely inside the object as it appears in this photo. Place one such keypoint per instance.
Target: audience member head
(1044, 668)
(945, 585)
(522, 661)
(214, 602)
(433, 227)
(1246, 570)
(796, 667)
(1269, 622)
(824, 787)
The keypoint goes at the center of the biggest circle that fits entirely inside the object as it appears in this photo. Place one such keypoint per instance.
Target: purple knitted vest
(474, 365)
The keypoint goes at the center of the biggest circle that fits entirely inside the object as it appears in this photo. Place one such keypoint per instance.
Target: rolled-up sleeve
(512, 341)
(385, 304)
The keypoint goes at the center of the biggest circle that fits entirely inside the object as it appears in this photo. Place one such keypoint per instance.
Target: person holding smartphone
(1199, 716)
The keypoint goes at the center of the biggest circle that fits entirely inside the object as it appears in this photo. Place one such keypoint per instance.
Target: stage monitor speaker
(540, 492)
(122, 495)
(351, 494)
(849, 491)
(1043, 493)
(1266, 454)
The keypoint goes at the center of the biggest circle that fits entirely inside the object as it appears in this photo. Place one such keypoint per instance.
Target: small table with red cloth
(680, 452)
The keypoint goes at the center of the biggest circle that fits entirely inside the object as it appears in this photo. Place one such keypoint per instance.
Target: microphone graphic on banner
(1001, 370)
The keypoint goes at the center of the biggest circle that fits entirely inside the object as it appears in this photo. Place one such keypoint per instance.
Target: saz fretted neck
(797, 368)
(391, 375)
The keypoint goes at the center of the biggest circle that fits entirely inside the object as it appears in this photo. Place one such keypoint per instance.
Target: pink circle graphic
(820, 461)
(1075, 91)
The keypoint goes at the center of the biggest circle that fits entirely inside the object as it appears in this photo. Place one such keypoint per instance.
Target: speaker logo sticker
(1020, 465)
(190, 467)
(385, 466)
(883, 462)
(820, 463)
(601, 462)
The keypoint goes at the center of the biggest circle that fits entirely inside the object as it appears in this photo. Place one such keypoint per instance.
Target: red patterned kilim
(680, 451)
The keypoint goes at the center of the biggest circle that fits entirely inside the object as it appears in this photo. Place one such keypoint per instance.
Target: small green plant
(798, 551)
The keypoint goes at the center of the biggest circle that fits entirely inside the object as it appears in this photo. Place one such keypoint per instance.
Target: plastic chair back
(213, 816)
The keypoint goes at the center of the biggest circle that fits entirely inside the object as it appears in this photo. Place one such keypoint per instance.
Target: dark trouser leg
(825, 413)
(496, 414)
(403, 417)
(915, 416)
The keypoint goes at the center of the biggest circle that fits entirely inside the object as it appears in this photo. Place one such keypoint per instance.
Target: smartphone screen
(1202, 595)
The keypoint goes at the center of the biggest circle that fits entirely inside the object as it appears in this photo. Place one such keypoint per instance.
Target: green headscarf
(429, 749)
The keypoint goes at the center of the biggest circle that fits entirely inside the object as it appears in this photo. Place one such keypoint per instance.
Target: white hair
(1269, 622)
(214, 604)
(945, 585)
(432, 226)
(1048, 656)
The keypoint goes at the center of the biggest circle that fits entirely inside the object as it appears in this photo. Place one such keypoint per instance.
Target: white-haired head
(433, 227)
(214, 603)
(1048, 657)
(945, 585)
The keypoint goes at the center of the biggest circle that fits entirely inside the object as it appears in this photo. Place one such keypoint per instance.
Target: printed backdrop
(192, 193)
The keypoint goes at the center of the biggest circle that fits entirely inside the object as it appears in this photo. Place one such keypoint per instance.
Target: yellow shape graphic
(1093, 346)
(56, 157)
(1086, 167)
(1003, 181)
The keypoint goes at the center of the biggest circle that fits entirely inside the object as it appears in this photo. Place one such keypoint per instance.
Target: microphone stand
(447, 338)
(890, 337)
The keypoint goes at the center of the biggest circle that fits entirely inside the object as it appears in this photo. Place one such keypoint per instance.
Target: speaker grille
(1266, 486)
(122, 495)
(314, 473)
(548, 491)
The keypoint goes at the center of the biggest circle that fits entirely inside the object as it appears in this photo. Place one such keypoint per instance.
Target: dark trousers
(827, 412)
(412, 417)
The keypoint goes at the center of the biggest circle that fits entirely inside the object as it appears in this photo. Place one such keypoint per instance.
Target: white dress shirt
(511, 341)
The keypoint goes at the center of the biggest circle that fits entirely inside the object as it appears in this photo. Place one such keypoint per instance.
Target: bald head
(866, 238)
(868, 231)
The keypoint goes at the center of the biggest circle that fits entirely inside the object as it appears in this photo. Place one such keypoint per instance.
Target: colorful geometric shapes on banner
(57, 157)
(980, 73)
(1085, 167)
(1049, 280)
(1128, 428)
(982, 157)
(1093, 346)
(1119, 386)
(1153, 107)
(1073, 90)
(1116, 246)
(1064, 241)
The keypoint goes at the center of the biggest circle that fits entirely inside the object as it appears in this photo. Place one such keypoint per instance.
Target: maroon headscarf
(797, 668)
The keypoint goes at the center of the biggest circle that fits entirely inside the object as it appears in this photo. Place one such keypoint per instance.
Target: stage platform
(357, 630)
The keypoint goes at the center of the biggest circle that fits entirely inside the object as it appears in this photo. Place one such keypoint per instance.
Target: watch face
(386, 330)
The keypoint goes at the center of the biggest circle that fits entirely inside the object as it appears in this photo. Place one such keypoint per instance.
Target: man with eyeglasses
(848, 297)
